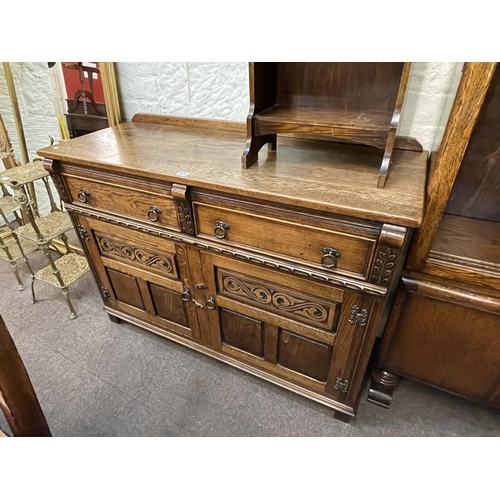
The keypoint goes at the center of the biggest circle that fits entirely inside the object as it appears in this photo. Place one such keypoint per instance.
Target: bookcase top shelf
(356, 103)
(370, 120)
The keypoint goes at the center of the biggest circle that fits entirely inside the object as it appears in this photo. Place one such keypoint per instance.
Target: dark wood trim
(18, 400)
(383, 384)
(184, 121)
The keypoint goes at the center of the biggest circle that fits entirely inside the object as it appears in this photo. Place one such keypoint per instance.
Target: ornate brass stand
(42, 230)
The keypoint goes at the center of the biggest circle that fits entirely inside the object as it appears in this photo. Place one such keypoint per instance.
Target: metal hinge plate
(358, 316)
(341, 385)
(105, 293)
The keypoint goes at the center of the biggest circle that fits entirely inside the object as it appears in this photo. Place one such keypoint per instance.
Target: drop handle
(220, 230)
(210, 303)
(153, 213)
(83, 196)
(330, 256)
(186, 294)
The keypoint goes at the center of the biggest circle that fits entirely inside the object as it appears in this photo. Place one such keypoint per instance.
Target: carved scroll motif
(135, 254)
(280, 300)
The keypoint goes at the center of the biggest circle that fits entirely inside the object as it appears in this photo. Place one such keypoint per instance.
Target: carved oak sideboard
(284, 270)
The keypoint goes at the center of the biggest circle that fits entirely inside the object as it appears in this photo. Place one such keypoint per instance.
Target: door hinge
(341, 385)
(357, 316)
(83, 232)
(105, 293)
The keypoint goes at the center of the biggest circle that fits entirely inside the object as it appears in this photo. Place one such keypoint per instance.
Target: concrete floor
(97, 378)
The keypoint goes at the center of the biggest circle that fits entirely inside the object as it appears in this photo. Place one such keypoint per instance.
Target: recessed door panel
(304, 355)
(126, 288)
(241, 332)
(168, 305)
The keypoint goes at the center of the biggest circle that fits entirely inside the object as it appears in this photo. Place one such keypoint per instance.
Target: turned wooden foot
(343, 417)
(114, 319)
(382, 386)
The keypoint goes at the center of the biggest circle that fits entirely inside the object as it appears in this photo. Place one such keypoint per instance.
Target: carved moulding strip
(334, 279)
(383, 267)
(126, 251)
(386, 255)
(281, 300)
(55, 175)
(181, 197)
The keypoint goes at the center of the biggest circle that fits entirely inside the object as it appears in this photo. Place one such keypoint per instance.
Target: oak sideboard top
(324, 176)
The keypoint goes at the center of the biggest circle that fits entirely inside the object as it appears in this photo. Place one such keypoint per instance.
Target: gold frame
(111, 98)
(15, 109)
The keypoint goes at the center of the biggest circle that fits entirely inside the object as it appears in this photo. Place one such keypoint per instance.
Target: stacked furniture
(42, 230)
(13, 247)
(284, 270)
(444, 327)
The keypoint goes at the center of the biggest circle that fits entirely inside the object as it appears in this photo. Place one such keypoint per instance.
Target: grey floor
(97, 378)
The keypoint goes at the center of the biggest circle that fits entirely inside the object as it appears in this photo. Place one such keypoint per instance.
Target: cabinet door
(307, 332)
(142, 275)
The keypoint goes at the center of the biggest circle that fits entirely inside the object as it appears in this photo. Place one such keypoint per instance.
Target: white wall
(430, 95)
(35, 97)
(220, 90)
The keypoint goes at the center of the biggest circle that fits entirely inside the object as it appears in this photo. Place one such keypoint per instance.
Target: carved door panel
(307, 332)
(141, 275)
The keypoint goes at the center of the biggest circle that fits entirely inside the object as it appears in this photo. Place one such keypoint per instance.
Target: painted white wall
(35, 97)
(220, 90)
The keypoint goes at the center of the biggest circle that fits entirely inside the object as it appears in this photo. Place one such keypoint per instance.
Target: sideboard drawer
(142, 204)
(325, 248)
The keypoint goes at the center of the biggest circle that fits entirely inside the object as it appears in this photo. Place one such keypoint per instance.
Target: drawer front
(143, 204)
(319, 247)
(303, 331)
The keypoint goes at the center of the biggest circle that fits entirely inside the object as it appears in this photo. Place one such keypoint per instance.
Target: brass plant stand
(10, 243)
(42, 230)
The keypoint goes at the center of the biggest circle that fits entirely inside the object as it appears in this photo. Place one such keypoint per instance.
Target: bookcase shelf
(356, 103)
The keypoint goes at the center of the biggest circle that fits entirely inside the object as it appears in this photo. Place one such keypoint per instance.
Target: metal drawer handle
(210, 303)
(330, 256)
(186, 294)
(83, 196)
(220, 229)
(153, 214)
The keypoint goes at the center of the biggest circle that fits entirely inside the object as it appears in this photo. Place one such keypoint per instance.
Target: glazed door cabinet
(307, 332)
(142, 275)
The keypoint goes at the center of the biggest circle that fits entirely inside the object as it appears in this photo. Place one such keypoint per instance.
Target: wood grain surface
(447, 337)
(336, 178)
(476, 189)
(18, 400)
(464, 113)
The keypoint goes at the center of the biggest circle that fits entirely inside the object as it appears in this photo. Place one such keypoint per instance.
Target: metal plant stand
(42, 230)
(10, 244)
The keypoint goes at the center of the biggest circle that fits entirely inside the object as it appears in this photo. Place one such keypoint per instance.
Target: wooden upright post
(18, 400)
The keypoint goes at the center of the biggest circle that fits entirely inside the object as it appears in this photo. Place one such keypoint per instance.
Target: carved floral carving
(384, 266)
(185, 217)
